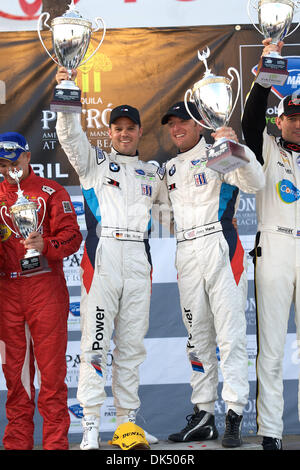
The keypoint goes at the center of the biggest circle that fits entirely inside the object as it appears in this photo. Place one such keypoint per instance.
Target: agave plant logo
(89, 77)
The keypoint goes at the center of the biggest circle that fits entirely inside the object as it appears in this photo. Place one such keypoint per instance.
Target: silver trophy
(275, 18)
(213, 97)
(71, 35)
(24, 217)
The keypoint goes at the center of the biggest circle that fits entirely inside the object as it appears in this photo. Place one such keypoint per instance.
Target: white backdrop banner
(23, 14)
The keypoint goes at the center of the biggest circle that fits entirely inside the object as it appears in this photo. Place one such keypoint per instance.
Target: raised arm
(82, 156)
(254, 116)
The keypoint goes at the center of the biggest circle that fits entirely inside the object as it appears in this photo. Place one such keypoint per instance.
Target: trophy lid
(209, 79)
(71, 16)
(21, 205)
(286, 2)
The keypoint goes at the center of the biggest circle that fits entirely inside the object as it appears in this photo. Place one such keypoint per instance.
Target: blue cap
(12, 144)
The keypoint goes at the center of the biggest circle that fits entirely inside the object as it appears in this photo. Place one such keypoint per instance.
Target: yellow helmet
(129, 436)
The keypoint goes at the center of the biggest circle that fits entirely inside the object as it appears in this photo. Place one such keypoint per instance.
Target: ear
(200, 128)
(26, 157)
(140, 132)
(279, 123)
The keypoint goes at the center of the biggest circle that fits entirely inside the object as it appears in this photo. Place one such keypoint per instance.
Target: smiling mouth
(179, 136)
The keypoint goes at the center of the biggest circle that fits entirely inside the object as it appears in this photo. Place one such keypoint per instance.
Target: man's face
(21, 164)
(185, 134)
(290, 128)
(125, 135)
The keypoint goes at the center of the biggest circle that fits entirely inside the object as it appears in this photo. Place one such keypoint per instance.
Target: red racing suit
(34, 312)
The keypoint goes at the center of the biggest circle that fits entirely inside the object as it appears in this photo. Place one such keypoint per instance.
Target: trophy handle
(297, 5)
(40, 205)
(189, 92)
(47, 15)
(249, 14)
(229, 71)
(97, 28)
(4, 209)
(293, 30)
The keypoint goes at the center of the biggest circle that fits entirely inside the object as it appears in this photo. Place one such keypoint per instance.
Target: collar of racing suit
(289, 145)
(121, 158)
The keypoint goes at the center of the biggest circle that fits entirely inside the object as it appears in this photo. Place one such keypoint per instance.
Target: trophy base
(34, 265)
(66, 100)
(272, 71)
(66, 85)
(226, 156)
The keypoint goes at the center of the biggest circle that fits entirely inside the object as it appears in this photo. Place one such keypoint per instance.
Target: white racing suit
(276, 258)
(212, 277)
(277, 278)
(119, 192)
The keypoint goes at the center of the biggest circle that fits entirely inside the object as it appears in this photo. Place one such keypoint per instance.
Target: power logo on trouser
(96, 359)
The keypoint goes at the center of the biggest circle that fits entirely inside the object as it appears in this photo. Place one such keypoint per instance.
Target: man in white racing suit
(277, 247)
(119, 190)
(212, 277)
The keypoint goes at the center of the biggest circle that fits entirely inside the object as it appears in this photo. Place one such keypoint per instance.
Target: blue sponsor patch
(79, 208)
(76, 410)
(161, 171)
(287, 192)
(140, 172)
(74, 309)
(100, 156)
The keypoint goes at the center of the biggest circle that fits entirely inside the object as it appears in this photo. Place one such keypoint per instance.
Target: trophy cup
(275, 18)
(213, 97)
(71, 36)
(25, 220)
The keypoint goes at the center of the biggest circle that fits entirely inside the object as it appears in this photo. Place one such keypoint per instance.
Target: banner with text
(150, 69)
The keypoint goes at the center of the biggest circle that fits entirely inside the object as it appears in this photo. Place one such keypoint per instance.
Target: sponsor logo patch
(172, 170)
(287, 192)
(114, 167)
(200, 179)
(146, 190)
(67, 207)
(48, 190)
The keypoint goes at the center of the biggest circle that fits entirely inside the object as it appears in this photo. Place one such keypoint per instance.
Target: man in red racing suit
(34, 308)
